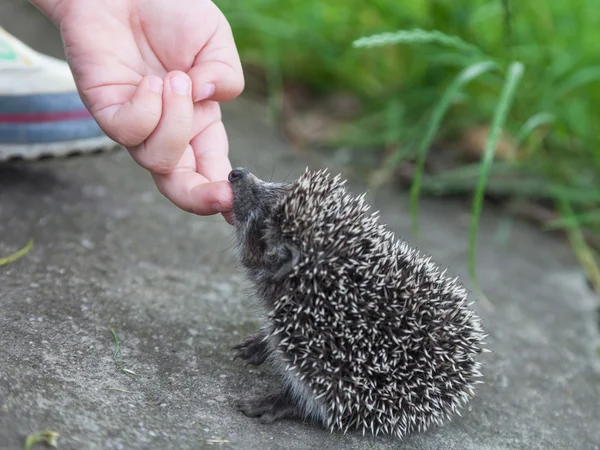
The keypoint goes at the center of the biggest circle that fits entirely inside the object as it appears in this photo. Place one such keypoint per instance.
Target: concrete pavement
(109, 251)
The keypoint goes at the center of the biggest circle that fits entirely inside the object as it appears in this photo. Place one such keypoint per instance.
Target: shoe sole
(31, 152)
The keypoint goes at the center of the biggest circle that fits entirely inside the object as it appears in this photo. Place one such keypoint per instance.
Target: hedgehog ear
(282, 259)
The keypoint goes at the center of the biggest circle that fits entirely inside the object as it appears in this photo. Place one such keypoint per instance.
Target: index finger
(192, 192)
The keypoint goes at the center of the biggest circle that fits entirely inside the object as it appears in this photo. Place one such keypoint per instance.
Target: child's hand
(133, 61)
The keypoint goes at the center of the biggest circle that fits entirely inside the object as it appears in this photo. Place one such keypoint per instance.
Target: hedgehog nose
(237, 174)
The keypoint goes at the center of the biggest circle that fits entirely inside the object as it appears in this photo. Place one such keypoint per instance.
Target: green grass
(117, 352)
(17, 255)
(429, 70)
(441, 109)
(50, 438)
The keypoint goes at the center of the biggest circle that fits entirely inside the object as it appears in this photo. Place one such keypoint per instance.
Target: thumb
(217, 71)
(132, 122)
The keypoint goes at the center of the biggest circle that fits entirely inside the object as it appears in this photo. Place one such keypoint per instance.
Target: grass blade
(535, 121)
(18, 255)
(416, 36)
(580, 247)
(463, 78)
(578, 79)
(574, 221)
(515, 73)
(116, 353)
(50, 438)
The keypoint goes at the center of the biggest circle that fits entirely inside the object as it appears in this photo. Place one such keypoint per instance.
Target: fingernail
(156, 84)
(217, 207)
(180, 84)
(206, 92)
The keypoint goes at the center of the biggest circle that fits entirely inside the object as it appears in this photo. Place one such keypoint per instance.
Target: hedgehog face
(253, 204)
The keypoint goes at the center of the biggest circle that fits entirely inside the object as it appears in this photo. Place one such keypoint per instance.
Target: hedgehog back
(384, 340)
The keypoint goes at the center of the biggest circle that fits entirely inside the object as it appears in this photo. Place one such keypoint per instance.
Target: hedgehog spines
(382, 337)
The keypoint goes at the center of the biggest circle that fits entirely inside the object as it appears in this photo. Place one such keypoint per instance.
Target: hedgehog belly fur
(312, 409)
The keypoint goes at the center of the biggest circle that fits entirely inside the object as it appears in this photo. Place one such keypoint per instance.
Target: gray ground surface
(110, 251)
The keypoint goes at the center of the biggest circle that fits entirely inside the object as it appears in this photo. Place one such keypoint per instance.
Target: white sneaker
(41, 113)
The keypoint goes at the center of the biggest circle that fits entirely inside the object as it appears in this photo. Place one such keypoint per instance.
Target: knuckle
(179, 119)
(160, 167)
(148, 113)
(153, 164)
(129, 138)
(133, 129)
(236, 82)
(181, 124)
(212, 110)
(239, 85)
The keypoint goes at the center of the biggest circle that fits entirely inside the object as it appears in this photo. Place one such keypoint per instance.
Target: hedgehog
(365, 332)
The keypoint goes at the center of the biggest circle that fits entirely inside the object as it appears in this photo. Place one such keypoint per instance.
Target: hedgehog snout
(246, 198)
(238, 174)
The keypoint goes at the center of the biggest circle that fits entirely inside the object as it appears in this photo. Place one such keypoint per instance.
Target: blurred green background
(442, 92)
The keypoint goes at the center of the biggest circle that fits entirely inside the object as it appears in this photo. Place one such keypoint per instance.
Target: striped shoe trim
(40, 103)
(44, 116)
(56, 131)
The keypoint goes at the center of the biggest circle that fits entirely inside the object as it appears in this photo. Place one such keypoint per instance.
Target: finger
(132, 122)
(217, 71)
(211, 146)
(164, 148)
(191, 192)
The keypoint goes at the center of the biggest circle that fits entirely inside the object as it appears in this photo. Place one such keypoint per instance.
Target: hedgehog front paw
(253, 349)
(269, 408)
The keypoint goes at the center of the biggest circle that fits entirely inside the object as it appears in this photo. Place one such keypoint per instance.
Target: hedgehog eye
(282, 259)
